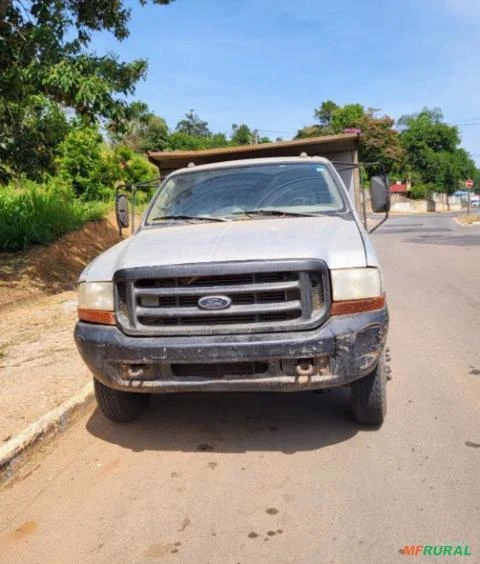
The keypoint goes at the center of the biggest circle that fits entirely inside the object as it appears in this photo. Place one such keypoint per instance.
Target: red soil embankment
(51, 269)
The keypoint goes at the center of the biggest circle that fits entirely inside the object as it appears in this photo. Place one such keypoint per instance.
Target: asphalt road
(288, 477)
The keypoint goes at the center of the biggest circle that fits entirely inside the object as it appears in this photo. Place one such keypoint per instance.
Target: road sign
(469, 184)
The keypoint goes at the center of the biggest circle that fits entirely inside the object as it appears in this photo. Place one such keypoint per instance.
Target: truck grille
(153, 302)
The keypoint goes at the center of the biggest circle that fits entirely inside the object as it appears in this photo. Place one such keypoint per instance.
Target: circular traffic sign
(469, 184)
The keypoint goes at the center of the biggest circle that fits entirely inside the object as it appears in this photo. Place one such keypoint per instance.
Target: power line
(469, 122)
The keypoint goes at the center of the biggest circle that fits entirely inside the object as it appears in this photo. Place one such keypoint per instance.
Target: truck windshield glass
(292, 188)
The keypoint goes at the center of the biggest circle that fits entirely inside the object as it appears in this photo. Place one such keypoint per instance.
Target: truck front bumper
(345, 348)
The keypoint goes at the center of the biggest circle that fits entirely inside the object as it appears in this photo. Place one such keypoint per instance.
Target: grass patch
(468, 219)
(40, 214)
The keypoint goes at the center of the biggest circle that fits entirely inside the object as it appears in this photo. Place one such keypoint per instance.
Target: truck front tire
(119, 406)
(369, 396)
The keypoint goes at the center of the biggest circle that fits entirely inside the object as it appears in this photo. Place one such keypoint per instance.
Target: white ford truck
(251, 275)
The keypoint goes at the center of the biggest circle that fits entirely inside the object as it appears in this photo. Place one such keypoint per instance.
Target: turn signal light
(97, 316)
(357, 306)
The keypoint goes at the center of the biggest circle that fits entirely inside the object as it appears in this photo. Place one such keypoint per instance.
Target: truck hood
(336, 240)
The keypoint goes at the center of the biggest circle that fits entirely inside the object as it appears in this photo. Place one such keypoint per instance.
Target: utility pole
(469, 186)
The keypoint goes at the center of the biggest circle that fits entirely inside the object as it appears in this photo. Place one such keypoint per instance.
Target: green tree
(217, 140)
(433, 155)
(265, 139)
(242, 135)
(141, 131)
(80, 163)
(29, 137)
(182, 141)
(310, 131)
(324, 113)
(427, 130)
(123, 166)
(379, 141)
(92, 170)
(44, 52)
(348, 116)
(193, 125)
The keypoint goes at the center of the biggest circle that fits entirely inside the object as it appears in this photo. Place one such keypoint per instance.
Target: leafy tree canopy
(350, 115)
(324, 113)
(92, 169)
(43, 49)
(433, 155)
(142, 131)
(44, 60)
(182, 141)
(123, 166)
(80, 161)
(427, 130)
(242, 135)
(379, 142)
(30, 134)
(193, 125)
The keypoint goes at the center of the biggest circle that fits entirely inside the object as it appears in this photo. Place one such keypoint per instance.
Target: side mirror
(379, 194)
(121, 211)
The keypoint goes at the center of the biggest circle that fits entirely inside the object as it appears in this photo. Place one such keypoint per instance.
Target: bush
(93, 170)
(80, 163)
(122, 166)
(421, 191)
(37, 214)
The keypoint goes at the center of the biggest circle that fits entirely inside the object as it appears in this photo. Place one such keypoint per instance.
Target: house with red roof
(398, 188)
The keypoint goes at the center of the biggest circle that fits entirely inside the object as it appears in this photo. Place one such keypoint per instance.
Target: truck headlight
(356, 289)
(95, 302)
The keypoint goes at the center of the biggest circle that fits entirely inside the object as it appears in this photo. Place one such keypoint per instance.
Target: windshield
(292, 188)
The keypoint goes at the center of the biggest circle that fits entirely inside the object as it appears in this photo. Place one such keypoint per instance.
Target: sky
(269, 63)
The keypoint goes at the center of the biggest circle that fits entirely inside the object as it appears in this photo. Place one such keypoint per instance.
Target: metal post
(362, 195)
(134, 190)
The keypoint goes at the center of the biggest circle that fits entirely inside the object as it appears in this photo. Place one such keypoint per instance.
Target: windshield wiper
(189, 217)
(279, 213)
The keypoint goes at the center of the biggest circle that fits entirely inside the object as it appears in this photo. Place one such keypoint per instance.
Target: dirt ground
(51, 269)
(39, 363)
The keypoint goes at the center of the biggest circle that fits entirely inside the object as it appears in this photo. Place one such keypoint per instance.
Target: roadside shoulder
(13, 452)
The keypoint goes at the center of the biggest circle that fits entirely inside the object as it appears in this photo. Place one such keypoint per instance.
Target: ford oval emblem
(214, 302)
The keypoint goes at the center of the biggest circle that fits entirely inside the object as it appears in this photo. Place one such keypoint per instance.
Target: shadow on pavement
(234, 422)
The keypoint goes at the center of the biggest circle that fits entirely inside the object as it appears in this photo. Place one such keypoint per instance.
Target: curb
(47, 426)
